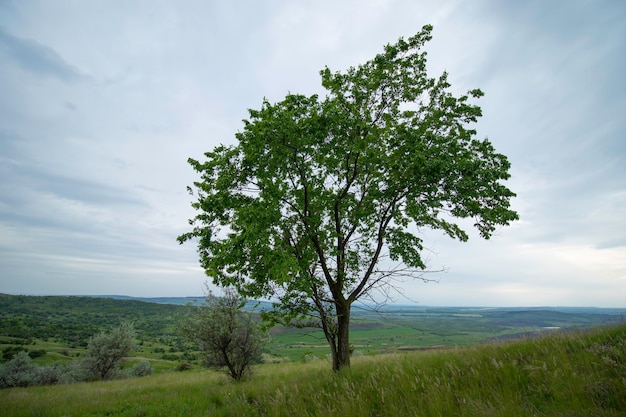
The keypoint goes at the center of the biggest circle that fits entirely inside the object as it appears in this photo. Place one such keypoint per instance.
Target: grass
(559, 374)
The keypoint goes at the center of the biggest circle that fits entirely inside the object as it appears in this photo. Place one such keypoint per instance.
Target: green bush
(183, 366)
(34, 354)
(143, 368)
(106, 351)
(73, 372)
(227, 336)
(18, 372)
(49, 375)
(9, 352)
(102, 360)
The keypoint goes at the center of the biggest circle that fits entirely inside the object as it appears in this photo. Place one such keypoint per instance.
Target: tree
(106, 351)
(321, 201)
(227, 336)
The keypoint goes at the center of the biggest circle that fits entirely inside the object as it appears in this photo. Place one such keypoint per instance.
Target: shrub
(267, 358)
(143, 368)
(34, 354)
(183, 366)
(73, 372)
(170, 357)
(18, 372)
(9, 352)
(106, 351)
(48, 375)
(308, 357)
(228, 337)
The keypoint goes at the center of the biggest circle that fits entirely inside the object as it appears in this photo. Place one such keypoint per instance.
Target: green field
(411, 328)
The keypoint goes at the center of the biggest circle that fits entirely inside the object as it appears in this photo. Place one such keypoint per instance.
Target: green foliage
(102, 360)
(106, 351)
(74, 320)
(18, 372)
(141, 368)
(22, 372)
(183, 366)
(562, 374)
(227, 336)
(322, 200)
(9, 352)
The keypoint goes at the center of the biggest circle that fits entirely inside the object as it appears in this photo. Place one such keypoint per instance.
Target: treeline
(75, 319)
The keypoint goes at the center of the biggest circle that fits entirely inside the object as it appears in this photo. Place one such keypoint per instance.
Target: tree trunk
(342, 357)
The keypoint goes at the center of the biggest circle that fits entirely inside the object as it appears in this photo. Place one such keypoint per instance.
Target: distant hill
(193, 300)
(401, 309)
(157, 300)
(76, 318)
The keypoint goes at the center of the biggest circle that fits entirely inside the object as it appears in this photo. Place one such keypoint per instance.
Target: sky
(102, 102)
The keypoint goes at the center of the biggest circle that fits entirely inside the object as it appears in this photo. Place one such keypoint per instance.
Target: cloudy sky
(102, 102)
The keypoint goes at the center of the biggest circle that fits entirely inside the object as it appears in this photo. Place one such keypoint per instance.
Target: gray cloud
(37, 58)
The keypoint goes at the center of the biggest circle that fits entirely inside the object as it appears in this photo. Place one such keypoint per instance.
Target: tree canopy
(322, 199)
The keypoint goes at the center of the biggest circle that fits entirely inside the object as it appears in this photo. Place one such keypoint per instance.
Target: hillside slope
(562, 374)
(75, 319)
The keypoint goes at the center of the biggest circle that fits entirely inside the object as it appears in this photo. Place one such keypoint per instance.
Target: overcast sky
(102, 102)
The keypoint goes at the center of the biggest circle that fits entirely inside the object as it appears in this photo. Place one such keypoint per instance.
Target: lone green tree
(228, 337)
(321, 201)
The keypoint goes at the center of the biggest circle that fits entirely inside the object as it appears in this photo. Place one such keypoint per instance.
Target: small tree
(106, 351)
(18, 372)
(227, 336)
(322, 201)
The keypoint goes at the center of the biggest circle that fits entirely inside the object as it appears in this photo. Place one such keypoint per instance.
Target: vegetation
(321, 202)
(392, 329)
(103, 360)
(107, 350)
(73, 320)
(559, 374)
(227, 336)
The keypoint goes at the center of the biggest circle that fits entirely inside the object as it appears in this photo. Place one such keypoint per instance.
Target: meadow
(576, 373)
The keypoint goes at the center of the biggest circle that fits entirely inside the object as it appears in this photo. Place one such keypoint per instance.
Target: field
(577, 373)
(412, 328)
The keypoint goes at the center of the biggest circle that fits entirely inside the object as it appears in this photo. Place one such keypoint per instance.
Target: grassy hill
(559, 374)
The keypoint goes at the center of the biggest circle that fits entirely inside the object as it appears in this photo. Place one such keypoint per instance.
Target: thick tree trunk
(342, 357)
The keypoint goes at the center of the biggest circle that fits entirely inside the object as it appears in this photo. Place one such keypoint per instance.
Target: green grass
(560, 374)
